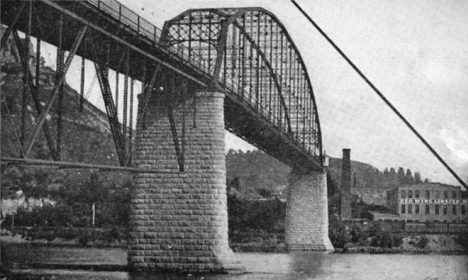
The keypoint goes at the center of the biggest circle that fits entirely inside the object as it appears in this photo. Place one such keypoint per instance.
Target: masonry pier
(179, 220)
(307, 213)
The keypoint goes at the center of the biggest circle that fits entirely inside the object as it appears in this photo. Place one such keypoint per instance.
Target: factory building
(429, 202)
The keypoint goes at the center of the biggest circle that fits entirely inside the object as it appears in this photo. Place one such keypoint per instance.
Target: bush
(337, 234)
(421, 242)
(248, 216)
(462, 239)
(357, 234)
(386, 240)
(397, 240)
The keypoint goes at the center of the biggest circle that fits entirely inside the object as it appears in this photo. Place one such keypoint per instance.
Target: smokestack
(346, 185)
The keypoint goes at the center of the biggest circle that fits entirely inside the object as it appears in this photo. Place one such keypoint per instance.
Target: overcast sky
(415, 52)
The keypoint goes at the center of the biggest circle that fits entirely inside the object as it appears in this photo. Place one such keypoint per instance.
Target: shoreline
(237, 248)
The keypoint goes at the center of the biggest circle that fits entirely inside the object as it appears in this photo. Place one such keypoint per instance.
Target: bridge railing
(148, 31)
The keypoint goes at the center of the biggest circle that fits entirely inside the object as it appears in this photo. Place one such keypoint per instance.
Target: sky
(414, 52)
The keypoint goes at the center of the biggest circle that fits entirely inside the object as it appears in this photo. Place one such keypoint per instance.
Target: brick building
(429, 202)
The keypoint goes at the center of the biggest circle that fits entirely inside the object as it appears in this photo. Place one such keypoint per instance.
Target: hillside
(86, 134)
(258, 173)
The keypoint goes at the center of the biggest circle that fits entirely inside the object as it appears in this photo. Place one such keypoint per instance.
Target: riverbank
(274, 243)
(414, 244)
(436, 244)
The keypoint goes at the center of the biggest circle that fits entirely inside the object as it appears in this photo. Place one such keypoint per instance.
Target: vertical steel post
(243, 59)
(184, 91)
(24, 102)
(270, 97)
(38, 62)
(60, 57)
(108, 51)
(125, 102)
(257, 82)
(138, 27)
(117, 92)
(295, 90)
(144, 82)
(190, 40)
(209, 43)
(288, 79)
(238, 61)
(304, 102)
(225, 59)
(25, 54)
(130, 125)
(282, 81)
(82, 83)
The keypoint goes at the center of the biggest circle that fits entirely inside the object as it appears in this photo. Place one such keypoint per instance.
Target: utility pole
(94, 213)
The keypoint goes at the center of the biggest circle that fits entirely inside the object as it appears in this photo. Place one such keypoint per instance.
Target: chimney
(346, 185)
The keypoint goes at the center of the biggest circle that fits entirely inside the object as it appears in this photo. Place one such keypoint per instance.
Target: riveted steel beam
(34, 91)
(11, 27)
(57, 86)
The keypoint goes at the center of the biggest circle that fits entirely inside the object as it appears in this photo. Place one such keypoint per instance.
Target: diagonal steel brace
(57, 86)
(10, 28)
(111, 109)
(147, 95)
(33, 90)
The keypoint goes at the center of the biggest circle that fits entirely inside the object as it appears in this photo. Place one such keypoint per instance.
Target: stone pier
(179, 220)
(307, 213)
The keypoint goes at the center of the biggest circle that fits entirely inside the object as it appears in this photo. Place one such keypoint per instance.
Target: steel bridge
(245, 53)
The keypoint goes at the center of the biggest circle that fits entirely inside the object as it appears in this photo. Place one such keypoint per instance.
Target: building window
(428, 194)
(463, 210)
(437, 207)
(428, 209)
(454, 209)
(445, 194)
(410, 194)
(410, 208)
(416, 193)
(416, 209)
(454, 195)
(445, 210)
(403, 209)
(403, 194)
(437, 194)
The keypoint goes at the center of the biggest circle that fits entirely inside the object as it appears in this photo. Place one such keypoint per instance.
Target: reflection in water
(308, 265)
(293, 266)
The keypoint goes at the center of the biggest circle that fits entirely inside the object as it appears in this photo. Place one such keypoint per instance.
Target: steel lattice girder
(251, 56)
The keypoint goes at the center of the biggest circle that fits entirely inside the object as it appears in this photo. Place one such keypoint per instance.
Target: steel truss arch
(252, 56)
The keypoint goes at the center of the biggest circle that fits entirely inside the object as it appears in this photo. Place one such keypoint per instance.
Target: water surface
(292, 266)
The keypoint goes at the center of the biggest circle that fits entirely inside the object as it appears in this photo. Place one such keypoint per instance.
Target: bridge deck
(113, 38)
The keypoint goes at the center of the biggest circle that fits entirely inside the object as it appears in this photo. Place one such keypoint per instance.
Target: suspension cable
(380, 94)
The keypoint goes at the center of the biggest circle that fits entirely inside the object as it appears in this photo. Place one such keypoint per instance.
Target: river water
(300, 266)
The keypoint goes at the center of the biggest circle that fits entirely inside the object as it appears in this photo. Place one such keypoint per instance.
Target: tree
(401, 175)
(409, 177)
(417, 178)
(386, 172)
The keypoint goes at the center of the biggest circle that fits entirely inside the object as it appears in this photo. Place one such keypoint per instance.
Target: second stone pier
(307, 213)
